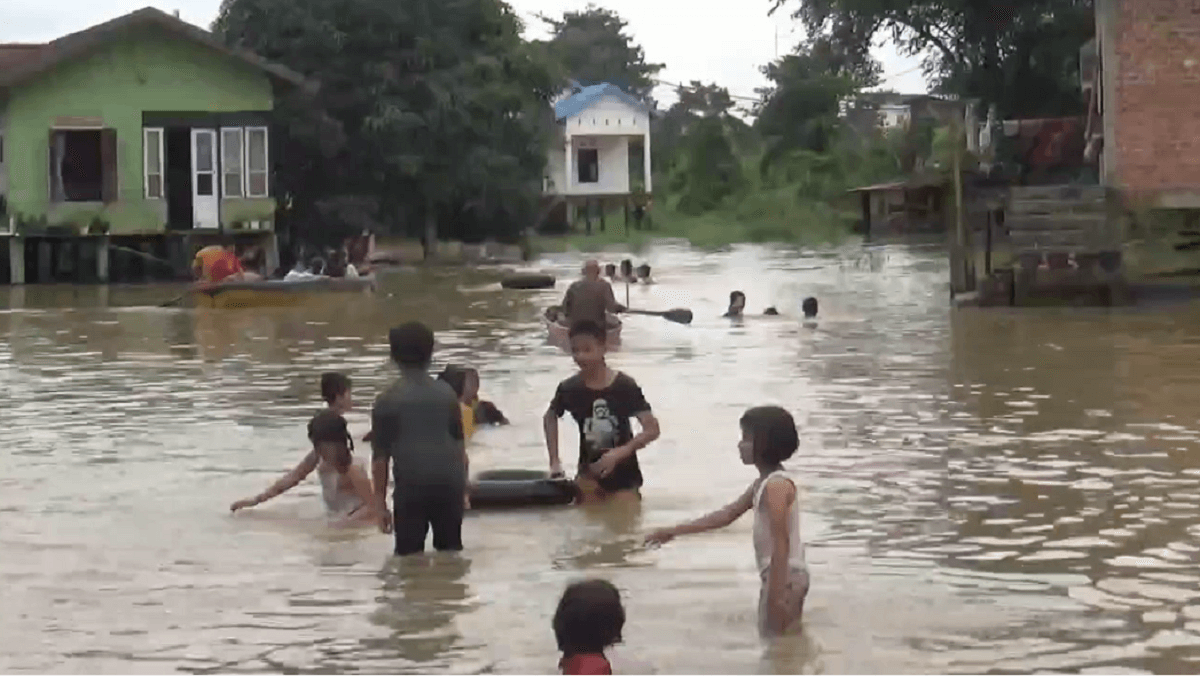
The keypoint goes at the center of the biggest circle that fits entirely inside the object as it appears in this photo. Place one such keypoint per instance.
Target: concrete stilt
(16, 260)
(102, 253)
(271, 251)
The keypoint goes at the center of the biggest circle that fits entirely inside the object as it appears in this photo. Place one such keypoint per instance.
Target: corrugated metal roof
(913, 183)
(586, 97)
(31, 60)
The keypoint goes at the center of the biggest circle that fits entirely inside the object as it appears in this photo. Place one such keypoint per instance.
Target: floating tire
(509, 488)
(528, 281)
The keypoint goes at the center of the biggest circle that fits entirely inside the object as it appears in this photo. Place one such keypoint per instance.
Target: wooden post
(959, 273)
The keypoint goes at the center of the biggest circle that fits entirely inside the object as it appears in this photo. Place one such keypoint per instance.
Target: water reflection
(419, 600)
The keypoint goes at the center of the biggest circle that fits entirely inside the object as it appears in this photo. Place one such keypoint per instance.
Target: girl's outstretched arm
(712, 521)
(289, 480)
(778, 495)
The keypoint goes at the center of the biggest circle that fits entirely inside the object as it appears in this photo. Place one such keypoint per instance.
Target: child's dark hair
(643, 270)
(589, 618)
(627, 267)
(587, 327)
(610, 269)
(735, 295)
(772, 432)
(328, 427)
(809, 306)
(411, 344)
(334, 385)
(456, 377)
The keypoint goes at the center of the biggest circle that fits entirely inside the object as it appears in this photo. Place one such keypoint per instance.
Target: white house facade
(590, 157)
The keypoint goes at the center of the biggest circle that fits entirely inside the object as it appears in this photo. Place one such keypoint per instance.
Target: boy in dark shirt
(417, 428)
(602, 401)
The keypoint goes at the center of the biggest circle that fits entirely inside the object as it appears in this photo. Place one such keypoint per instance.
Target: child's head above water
(809, 306)
(331, 439)
(626, 268)
(589, 618)
(335, 390)
(737, 302)
(610, 270)
(464, 380)
(768, 436)
(588, 344)
(412, 345)
(643, 271)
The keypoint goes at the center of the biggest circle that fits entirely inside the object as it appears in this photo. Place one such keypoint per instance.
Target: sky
(721, 41)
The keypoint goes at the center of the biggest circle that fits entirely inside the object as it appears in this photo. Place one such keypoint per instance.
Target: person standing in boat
(602, 401)
(591, 298)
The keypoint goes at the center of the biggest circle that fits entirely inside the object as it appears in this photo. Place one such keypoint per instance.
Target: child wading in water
(345, 487)
(588, 621)
(768, 438)
(602, 401)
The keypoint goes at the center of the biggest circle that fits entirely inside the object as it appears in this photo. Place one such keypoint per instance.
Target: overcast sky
(722, 41)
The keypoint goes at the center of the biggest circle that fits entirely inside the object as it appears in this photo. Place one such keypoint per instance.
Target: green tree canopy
(429, 111)
(1020, 55)
(800, 109)
(592, 46)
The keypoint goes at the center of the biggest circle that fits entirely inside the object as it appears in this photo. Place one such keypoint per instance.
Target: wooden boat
(557, 332)
(276, 292)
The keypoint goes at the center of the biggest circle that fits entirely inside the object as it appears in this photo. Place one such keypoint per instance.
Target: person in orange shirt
(204, 260)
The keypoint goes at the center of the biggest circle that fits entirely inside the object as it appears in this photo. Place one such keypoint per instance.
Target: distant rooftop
(587, 96)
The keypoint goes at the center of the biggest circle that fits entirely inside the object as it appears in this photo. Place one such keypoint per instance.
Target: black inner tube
(520, 488)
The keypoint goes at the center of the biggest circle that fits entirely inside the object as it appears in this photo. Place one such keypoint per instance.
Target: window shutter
(108, 164)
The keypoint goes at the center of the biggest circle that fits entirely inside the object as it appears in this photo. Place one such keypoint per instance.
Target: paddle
(174, 301)
(679, 315)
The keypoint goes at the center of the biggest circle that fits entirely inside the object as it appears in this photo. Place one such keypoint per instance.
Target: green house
(146, 123)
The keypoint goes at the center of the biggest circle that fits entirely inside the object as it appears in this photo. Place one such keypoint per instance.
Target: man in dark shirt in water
(417, 428)
(590, 298)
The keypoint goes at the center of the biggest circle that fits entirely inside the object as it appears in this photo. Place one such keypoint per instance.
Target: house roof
(14, 53)
(586, 97)
(19, 63)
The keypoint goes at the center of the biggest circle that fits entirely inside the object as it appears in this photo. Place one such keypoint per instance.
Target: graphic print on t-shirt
(601, 427)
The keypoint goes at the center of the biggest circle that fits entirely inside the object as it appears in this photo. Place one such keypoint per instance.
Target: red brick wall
(1158, 96)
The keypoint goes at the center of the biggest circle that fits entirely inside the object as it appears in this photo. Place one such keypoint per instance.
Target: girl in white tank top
(345, 487)
(768, 438)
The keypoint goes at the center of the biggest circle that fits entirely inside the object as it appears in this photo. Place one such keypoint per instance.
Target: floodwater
(996, 490)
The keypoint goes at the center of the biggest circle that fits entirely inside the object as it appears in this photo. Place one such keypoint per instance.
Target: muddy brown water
(983, 491)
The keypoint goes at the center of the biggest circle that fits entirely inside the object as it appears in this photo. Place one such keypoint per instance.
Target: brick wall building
(1147, 100)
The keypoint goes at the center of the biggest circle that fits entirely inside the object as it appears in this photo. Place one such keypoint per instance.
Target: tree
(592, 47)
(696, 101)
(429, 111)
(1020, 55)
(708, 171)
(800, 109)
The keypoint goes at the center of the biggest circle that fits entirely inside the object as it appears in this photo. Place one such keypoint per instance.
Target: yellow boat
(276, 293)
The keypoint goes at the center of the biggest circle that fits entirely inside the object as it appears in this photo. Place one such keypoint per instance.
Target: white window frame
(266, 170)
(241, 154)
(147, 132)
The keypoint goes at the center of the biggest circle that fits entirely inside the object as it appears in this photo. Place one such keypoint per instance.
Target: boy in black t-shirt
(602, 401)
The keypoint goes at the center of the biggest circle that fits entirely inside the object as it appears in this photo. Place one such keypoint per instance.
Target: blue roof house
(589, 158)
